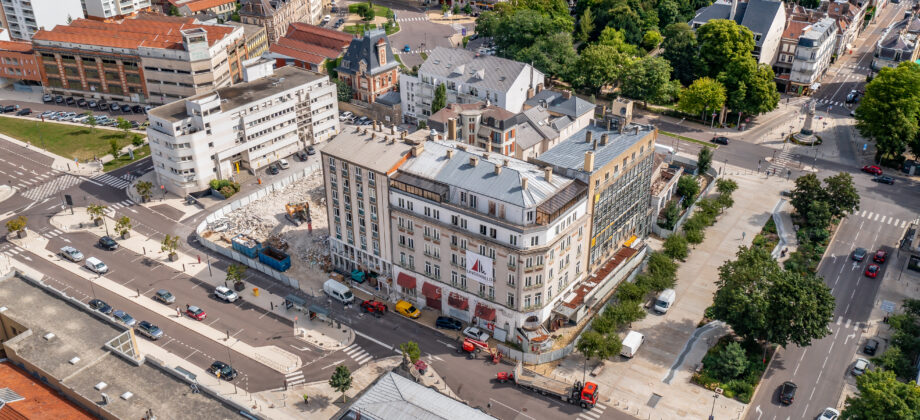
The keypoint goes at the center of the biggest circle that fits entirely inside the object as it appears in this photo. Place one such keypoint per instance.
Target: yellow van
(407, 309)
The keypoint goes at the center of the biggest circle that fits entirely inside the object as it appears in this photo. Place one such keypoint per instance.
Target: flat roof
(39, 401)
(375, 153)
(80, 334)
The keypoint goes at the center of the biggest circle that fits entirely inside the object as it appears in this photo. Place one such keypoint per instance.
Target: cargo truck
(584, 395)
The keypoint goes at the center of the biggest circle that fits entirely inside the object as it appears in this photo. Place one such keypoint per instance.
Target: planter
(173, 257)
(21, 234)
(239, 286)
(98, 222)
(125, 235)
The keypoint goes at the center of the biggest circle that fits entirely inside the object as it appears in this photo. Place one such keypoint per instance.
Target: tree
(123, 226)
(703, 95)
(800, 308)
(720, 41)
(600, 65)
(729, 363)
(113, 147)
(651, 40)
(341, 380)
(124, 125)
(610, 347)
(807, 191)
(553, 54)
(841, 194)
(668, 12)
(174, 11)
(680, 49)
(676, 246)
(343, 90)
(235, 273)
(882, 396)
(589, 344)
(91, 121)
(95, 212)
(750, 86)
(726, 186)
(704, 160)
(647, 79)
(740, 299)
(585, 26)
(17, 225)
(695, 235)
(515, 27)
(410, 349)
(688, 188)
(889, 112)
(144, 189)
(660, 264)
(440, 98)
(617, 39)
(671, 214)
(169, 245)
(624, 312)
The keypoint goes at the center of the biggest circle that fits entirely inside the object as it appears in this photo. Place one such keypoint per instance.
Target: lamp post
(713, 411)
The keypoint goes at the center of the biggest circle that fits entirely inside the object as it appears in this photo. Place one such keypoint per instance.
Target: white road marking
(510, 408)
(373, 339)
(847, 339)
(332, 364)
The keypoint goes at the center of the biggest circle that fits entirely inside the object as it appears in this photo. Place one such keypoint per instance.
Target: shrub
(709, 207)
(630, 291)
(671, 214)
(225, 187)
(729, 363)
(688, 188)
(695, 236)
(137, 140)
(676, 246)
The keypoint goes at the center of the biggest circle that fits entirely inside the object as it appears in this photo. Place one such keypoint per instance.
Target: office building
(114, 9)
(24, 18)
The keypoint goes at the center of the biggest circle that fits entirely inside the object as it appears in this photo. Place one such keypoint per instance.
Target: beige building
(276, 15)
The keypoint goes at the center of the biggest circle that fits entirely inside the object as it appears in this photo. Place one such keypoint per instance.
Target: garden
(367, 12)
(67, 140)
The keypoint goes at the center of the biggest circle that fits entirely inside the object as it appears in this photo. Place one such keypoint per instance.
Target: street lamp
(713, 412)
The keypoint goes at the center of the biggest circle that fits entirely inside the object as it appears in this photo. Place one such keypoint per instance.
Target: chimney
(373, 136)
(473, 160)
(529, 93)
(402, 135)
(567, 94)
(595, 145)
(498, 170)
(393, 130)
(621, 126)
(489, 145)
(539, 87)
(604, 139)
(505, 162)
(417, 150)
(588, 136)
(450, 153)
(548, 173)
(589, 161)
(524, 184)
(608, 124)
(485, 156)
(636, 130)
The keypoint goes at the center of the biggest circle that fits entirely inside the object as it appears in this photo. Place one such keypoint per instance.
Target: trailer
(585, 395)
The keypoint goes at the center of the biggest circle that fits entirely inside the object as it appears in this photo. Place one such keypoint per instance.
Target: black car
(720, 140)
(100, 306)
(311, 151)
(273, 169)
(787, 392)
(9, 108)
(222, 370)
(448, 323)
(301, 155)
(884, 179)
(103, 105)
(91, 103)
(70, 100)
(126, 108)
(870, 347)
(137, 109)
(24, 111)
(59, 99)
(108, 243)
(81, 102)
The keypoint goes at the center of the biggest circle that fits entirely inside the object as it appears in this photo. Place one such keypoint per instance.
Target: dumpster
(275, 258)
(246, 246)
(357, 275)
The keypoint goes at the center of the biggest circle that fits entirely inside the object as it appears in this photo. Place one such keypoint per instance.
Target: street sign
(887, 306)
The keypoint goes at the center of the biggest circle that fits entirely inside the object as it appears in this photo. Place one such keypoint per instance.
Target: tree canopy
(720, 41)
(890, 110)
(704, 94)
(882, 396)
(680, 49)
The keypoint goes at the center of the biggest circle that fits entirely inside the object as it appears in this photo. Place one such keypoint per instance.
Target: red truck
(585, 395)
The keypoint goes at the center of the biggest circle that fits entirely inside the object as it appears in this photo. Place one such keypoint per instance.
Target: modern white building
(469, 78)
(23, 17)
(242, 127)
(813, 54)
(109, 9)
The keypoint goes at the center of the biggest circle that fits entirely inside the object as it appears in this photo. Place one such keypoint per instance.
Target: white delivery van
(631, 344)
(96, 265)
(338, 291)
(665, 300)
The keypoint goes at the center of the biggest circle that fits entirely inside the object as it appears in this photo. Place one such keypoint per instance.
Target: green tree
(91, 121)
(730, 363)
(882, 396)
(694, 235)
(740, 299)
(819, 217)
(612, 37)
(703, 95)
(800, 308)
(720, 41)
(95, 211)
(341, 380)
(680, 49)
(809, 4)
(647, 79)
(174, 11)
(660, 264)
(726, 186)
(676, 246)
(516, 26)
(688, 188)
(624, 312)
(704, 160)
(123, 226)
(585, 26)
(440, 98)
(889, 112)
(124, 125)
(170, 245)
(344, 91)
(807, 191)
(410, 349)
(235, 273)
(750, 86)
(671, 214)
(589, 345)
(553, 54)
(896, 361)
(610, 347)
(17, 225)
(651, 40)
(113, 147)
(144, 189)
(841, 194)
(600, 65)
(668, 12)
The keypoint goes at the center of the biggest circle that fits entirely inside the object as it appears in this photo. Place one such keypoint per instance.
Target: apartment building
(615, 159)
(256, 39)
(18, 63)
(369, 66)
(813, 55)
(147, 59)
(23, 18)
(217, 134)
(114, 9)
(469, 78)
(277, 15)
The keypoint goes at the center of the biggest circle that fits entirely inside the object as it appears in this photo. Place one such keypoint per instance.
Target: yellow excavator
(299, 213)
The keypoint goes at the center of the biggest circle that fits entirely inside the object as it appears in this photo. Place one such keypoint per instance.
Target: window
(454, 220)
(482, 229)
(510, 300)
(511, 279)
(528, 281)
(472, 201)
(538, 299)
(513, 239)
(462, 197)
(527, 301)
(512, 260)
(492, 233)
(534, 241)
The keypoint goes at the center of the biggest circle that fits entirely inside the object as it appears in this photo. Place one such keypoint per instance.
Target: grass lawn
(378, 9)
(679, 137)
(123, 160)
(70, 141)
(361, 27)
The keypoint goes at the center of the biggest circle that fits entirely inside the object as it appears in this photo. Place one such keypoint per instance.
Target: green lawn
(123, 160)
(688, 139)
(70, 141)
(378, 9)
(360, 28)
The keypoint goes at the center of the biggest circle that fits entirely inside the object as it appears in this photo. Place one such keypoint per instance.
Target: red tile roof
(303, 51)
(129, 33)
(39, 401)
(199, 5)
(17, 46)
(311, 44)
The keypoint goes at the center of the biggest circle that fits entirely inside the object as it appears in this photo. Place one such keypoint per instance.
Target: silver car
(151, 331)
(72, 254)
(124, 318)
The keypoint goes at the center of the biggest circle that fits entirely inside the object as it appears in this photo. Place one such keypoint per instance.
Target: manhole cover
(652, 402)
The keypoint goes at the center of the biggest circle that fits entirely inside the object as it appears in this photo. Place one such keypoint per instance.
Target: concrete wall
(388, 116)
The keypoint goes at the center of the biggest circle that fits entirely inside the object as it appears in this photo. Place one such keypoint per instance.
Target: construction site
(287, 229)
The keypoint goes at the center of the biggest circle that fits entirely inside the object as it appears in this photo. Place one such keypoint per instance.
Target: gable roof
(395, 397)
(756, 15)
(365, 49)
(468, 68)
(557, 103)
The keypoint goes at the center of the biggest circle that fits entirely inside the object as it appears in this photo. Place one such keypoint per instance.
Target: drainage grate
(652, 402)
(8, 395)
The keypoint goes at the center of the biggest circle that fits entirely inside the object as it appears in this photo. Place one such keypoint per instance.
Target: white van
(96, 265)
(631, 344)
(665, 300)
(338, 291)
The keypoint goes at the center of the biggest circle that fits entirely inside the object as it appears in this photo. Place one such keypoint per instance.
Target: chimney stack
(488, 145)
(539, 87)
(450, 153)
(498, 170)
(473, 160)
(402, 135)
(505, 162)
(588, 136)
(524, 184)
(621, 126)
(567, 94)
(548, 173)
(589, 161)
(636, 128)
(373, 136)
(417, 150)
(529, 93)
(604, 139)
(485, 156)
(595, 145)
(393, 129)
(451, 128)
(608, 124)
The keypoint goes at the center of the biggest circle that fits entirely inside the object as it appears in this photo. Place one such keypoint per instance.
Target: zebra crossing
(594, 413)
(117, 182)
(849, 322)
(53, 233)
(294, 378)
(855, 67)
(829, 102)
(412, 19)
(12, 251)
(50, 186)
(889, 220)
(414, 52)
(110, 208)
(358, 354)
(781, 161)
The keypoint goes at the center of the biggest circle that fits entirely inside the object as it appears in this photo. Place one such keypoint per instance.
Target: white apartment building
(23, 17)
(241, 127)
(469, 78)
(813, 54)
(108, 9)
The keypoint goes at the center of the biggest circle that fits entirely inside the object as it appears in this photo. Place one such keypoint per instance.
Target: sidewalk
(656, 383)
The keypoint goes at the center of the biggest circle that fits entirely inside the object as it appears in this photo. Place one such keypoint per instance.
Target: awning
(458, 301)
(405, 280)
(630, 241)
(319, 310)
(485, 312)
(431, 291)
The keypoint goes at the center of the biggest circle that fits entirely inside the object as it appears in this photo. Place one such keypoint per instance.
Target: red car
(880, 256)
(195, 313)
(872, 270)
(872, 169)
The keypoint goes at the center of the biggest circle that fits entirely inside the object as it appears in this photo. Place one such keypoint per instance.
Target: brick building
(18, 62)
(309, 47)
(369, 66)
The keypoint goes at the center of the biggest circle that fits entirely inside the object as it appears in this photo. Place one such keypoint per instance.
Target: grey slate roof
(570, 153)
(556, 102)
(365, 49)
(390, 98)
(756, 15)
(465, 68)
(394, 397)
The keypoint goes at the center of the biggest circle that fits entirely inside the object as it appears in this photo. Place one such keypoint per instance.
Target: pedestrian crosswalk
(52, 233)
(855, 67)
(12, 251)
(49, 186)
(412, 19)
(294, 378)
(780, 162)
(594, 413)
(112, 181)
(888, 220)
(358, 354)
(110, 208)
(829, 102)
(128, 177)
(414, 52)
(849, 323)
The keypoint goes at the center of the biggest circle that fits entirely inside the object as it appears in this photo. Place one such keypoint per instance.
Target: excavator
(299, 213)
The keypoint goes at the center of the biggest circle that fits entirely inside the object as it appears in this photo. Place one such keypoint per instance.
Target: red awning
(485, 312)
(431, 291)
(405, 280)
(458, 301)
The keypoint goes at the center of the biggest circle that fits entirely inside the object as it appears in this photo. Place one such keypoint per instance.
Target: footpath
(656, 382)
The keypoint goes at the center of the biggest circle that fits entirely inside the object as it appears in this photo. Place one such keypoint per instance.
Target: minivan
(665, 300)
(96, 265)
(338, 291)
(631, 344)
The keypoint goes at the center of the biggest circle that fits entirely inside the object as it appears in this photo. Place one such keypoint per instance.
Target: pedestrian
(306, 399)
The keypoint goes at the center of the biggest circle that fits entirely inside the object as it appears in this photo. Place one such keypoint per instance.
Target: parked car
(871, 347)
(222, 370)
(301, 155)
(96, 265)
(311, 151)
(70, 100)
(273, 168)
(23, 112)
(47, 114)
(137, 109)
(101, 306)
(829, 414)
(225, 294)
(326, 19)
(47, 98)
(883, 179)
(787, 392)
(59, 99)
(71, 253)
(860, 367)
(283, 163)
(81, 102)
(10, 108)
(880, 256)
(375, 307)
(872, 271)
(720, 140)
(124, 318)
(114, 106)
(448, 323)
(859, 254)
(68, 116)
(475, 333)
(872, 169)
(81, 119)
(126, 108)
(92, 103)
(407, 309)
(195, 312)
(345, 116)
(152, 332)
(164, 296)
(108, 243)
(103, 105)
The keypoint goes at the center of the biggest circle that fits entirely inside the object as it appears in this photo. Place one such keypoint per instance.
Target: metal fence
(245, 201)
